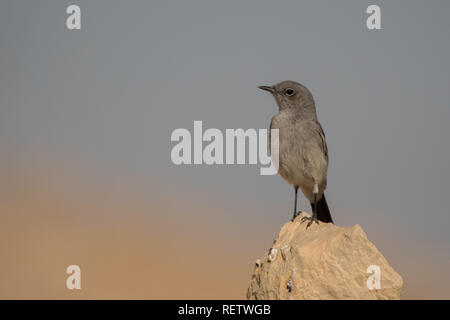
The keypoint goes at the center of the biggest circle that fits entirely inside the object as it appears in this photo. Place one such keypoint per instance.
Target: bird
(303, 151)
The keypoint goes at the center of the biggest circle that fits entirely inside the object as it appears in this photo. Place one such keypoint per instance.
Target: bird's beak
(267, 88)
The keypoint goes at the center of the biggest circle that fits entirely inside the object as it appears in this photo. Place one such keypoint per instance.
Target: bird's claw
(296, 215)
(311, 220)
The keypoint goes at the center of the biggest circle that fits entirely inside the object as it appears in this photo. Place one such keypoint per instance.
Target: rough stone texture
(322, 262)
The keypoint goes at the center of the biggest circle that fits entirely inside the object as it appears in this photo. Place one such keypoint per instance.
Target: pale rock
(323, 261)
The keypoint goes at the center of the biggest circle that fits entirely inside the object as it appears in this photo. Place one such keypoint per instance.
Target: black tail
(323, 213)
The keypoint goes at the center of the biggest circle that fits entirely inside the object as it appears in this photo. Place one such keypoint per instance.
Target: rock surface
(323, 262)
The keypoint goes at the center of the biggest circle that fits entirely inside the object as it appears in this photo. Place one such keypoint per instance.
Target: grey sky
(111, 94)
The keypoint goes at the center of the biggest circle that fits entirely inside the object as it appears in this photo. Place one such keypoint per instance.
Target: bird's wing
(311, 133)
(313, 149)
(323, 142)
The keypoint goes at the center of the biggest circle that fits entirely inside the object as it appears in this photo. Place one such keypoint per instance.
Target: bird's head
(291, 95)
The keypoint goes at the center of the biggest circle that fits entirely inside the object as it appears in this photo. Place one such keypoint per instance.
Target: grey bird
(303, 152)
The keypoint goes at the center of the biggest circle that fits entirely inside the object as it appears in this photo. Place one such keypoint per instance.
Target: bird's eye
(289, 92)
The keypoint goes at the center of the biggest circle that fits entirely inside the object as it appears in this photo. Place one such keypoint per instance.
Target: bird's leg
(295, 204)
(314, 214)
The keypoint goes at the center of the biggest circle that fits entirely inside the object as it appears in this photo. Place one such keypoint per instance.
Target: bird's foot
(311, 219)
(296, 214)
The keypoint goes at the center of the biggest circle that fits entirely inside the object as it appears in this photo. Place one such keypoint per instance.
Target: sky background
(86, 118)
